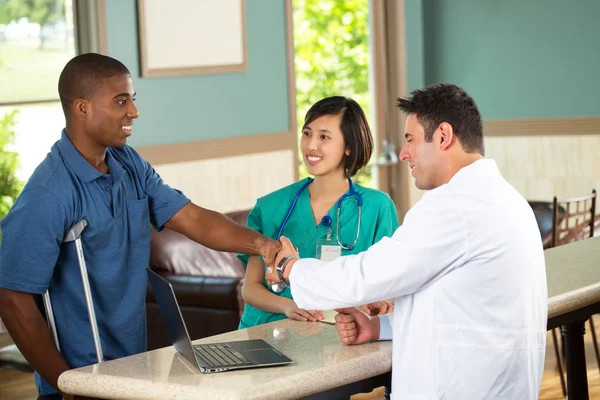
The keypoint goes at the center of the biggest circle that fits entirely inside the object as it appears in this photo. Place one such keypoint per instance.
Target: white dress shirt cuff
(385, 327)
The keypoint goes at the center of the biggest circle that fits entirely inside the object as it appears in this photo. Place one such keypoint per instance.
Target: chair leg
(595, 341)
(561, 371)
(387, 392)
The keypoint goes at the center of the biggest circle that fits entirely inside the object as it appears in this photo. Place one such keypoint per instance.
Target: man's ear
(446, 135)
(81, 108)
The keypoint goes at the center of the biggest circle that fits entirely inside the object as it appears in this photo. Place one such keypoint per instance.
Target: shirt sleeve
(164, 201)
(32, 234)
(431, 242)
(387, 221)
(254, 222)
(385, 327)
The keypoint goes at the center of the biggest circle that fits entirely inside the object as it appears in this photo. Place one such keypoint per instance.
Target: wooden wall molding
(218, 148)
(542, 127)
(291, 77)
(389, 64)
(101, 24)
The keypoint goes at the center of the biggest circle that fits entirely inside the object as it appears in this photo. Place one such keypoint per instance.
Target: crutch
(74, 235)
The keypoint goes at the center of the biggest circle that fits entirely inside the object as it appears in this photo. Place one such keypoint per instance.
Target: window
(331, 39)
(37, 38)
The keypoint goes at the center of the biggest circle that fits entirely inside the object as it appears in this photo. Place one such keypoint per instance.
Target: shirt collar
(115, 169)
(81, 167)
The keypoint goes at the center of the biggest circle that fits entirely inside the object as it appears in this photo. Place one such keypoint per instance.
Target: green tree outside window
(331, 40)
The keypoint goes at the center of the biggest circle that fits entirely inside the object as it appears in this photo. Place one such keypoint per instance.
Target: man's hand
(269, 250)
(378, 308)
(292, 311)
(355, 327)
(287, 249)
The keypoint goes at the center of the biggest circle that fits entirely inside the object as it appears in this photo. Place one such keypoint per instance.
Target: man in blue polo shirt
(91, 173)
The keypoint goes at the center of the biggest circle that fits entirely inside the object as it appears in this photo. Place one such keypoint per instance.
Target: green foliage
(43, 12)
(331, 38)
(10, 185)
(7, 11)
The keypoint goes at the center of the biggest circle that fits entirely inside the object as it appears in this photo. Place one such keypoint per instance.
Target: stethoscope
(326, 220)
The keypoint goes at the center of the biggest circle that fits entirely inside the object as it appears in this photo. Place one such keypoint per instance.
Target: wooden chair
(577, 223)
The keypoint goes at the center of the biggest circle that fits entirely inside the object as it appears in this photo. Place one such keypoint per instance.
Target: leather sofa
(207, 286)
(543, 211)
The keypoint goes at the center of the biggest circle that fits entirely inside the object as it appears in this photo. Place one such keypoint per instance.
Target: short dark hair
(449, 103)
(82, 77)
(354, 127)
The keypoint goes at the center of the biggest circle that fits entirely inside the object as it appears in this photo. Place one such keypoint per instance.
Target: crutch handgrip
(76, 231)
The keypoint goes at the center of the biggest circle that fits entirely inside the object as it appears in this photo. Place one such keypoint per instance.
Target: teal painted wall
(190, 108)
(415, 59)
(517, 58)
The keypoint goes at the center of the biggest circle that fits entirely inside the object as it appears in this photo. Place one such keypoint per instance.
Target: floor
(15, 385)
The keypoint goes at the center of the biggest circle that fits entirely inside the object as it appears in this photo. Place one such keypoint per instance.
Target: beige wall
(230, 183)
(540, 167)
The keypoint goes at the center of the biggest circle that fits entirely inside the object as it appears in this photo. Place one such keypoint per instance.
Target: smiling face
(423, 157)
(110, 112)
(323, 147)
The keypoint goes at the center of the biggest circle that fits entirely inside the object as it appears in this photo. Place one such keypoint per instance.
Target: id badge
(330, 252)
(327, 250)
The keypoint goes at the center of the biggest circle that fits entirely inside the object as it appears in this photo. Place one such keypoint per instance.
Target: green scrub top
(378, 219)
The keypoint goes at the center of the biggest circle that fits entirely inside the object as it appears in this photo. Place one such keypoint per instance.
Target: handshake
(354, 325)
(284, 259)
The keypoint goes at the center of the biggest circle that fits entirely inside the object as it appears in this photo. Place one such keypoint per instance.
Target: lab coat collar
(481, 167)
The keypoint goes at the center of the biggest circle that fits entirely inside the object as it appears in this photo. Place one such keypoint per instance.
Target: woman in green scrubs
(336, 143)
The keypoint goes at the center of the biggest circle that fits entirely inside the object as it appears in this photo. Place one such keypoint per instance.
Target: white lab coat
(467, 271)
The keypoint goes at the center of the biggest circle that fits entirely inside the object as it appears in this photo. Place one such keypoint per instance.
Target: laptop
(210, 357)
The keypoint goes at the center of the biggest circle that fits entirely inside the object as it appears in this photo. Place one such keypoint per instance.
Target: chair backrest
(577, 222)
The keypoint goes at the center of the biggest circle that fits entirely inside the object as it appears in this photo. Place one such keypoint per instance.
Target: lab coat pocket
(484, 363)
(138, 218)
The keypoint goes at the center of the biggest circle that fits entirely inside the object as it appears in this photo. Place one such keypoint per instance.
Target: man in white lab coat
(466, 269)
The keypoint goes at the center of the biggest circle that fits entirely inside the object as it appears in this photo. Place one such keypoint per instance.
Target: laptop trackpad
(263, 356)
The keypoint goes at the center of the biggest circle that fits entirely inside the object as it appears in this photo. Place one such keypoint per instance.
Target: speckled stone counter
(573, 274)
(321, 362)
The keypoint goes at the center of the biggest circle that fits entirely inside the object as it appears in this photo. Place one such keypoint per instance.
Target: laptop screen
(167, 303)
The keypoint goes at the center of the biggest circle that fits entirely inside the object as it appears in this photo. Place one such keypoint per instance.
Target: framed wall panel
(191, 37)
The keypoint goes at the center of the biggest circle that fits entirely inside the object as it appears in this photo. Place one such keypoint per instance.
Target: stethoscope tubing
(278, 288)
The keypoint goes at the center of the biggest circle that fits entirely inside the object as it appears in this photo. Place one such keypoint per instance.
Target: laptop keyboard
(218, 355)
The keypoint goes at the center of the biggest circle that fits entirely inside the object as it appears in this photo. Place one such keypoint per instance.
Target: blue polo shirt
(119, 208)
